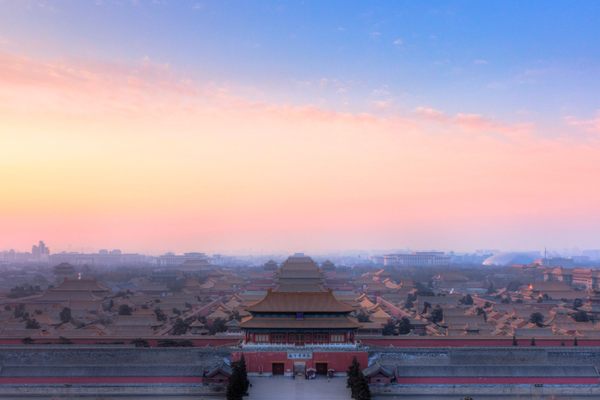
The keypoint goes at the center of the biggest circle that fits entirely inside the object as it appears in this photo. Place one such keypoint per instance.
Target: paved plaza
(283, 388)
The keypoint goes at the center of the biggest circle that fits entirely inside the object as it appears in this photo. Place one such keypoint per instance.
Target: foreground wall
(509, 390)
(438, 341)
(97, 390)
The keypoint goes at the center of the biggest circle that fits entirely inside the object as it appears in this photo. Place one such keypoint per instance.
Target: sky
(259, 126)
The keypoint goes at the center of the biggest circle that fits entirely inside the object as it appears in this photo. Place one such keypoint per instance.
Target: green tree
(160, 315)
(537, 318)
(218, 325)
(481, 311)
(389, 328)
(65, 315)
(437, 314)
(577, 303)
(32, 324)
(513, 286)
(180, 327)
(410, 300)
(236, 386)
(362, 316)
(361, 389)
(244, 374)
(27, 340)
(140, 342)
(404, 326)
(352, 372)
(124, 309)
(426, 307)
(581, 316)
(19, 311)
(64, 340)
(467, 300)
(423, 290)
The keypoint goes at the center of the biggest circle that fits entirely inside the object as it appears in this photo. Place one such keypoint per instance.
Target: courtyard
(282, 388)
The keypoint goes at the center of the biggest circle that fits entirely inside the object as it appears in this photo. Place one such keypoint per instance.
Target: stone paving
(284, 388)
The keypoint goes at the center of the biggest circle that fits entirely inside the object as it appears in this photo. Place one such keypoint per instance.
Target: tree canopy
(537, 318)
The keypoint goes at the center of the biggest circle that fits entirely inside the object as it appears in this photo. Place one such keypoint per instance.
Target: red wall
(261, 361)
(498, 380)
(425, 341)
(200, 341)
(98, 379)
(383, 341)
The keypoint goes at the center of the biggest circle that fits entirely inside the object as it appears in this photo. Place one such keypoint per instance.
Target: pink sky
(96, 155)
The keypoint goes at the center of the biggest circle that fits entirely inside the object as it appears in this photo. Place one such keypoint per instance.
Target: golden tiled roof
(306, 323)
(292, 302)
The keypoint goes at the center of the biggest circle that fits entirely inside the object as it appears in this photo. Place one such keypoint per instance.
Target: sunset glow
(106, 150)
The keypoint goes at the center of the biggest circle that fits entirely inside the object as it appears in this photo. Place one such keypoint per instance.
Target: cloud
(398, 42)
(169, 159)
(591, 125)
(474, 123)
(480, 61)
(431, 113)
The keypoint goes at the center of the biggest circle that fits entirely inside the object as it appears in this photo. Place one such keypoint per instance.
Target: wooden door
(321, 368)
(278, 368)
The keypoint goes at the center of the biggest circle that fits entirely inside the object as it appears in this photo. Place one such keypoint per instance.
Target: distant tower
(40, 252)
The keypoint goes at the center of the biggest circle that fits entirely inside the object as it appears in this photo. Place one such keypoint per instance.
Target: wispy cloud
(135, 130)
(591, 125)
(475, 123)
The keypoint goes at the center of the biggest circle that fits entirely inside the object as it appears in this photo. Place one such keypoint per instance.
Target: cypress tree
(235, 387)
(352, 372)
(244, 375)
(361, 388)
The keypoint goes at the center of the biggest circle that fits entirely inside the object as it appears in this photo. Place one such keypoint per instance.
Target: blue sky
(513, 60)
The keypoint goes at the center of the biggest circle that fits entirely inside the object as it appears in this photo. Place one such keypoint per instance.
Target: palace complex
(176, 329)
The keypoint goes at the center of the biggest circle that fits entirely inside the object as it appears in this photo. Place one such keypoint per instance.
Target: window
(299, 315)
(337, 338)
(321, 337)
(262, 338)
(278, 337)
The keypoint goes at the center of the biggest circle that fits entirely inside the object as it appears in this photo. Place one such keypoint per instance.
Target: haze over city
(286, 126)
(300, 199)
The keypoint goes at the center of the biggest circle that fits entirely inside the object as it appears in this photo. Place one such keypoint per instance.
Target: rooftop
(292, 302)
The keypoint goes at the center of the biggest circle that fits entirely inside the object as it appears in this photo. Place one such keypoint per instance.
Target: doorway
(278, 368)
(321, 368)
(299, 368)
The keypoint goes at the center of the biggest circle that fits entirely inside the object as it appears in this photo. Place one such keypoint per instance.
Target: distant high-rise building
(172, 259)
(40, 252)
(417, 259)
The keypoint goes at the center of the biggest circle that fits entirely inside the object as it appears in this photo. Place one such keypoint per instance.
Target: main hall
(300, 326)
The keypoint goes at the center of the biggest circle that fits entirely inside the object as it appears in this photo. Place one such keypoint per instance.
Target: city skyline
(592, 253)
(299, 126)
